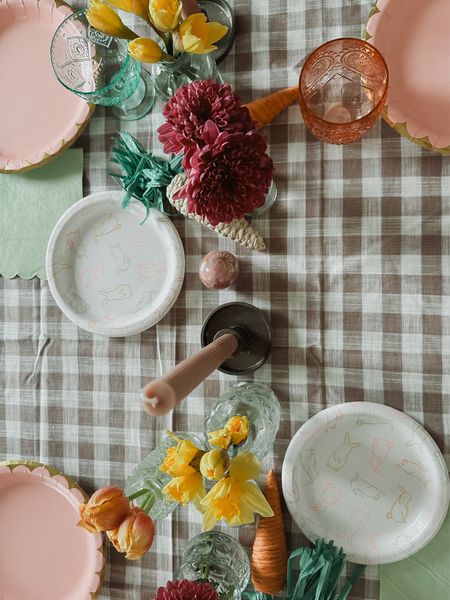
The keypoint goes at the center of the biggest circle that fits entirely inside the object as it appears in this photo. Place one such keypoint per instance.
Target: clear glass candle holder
(257, 402)
(218, 558)
(343, 89)
(146, 482)
(99, 68)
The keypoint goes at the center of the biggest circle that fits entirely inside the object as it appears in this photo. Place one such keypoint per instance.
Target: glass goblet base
(139, 104)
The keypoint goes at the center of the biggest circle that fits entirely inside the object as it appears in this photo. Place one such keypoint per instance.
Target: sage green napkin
(30, 205)
(423, 576)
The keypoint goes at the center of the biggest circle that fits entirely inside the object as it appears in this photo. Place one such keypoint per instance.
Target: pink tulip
(134, 536)
(105, 510)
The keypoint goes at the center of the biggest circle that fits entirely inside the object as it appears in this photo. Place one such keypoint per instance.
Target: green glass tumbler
(218, 558)
(99, 68)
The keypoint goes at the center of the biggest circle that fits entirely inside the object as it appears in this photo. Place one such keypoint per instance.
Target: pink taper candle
(162, 395)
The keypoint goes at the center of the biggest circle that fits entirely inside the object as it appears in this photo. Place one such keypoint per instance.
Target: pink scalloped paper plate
(38, 117)
(43, 554)
(414, 38)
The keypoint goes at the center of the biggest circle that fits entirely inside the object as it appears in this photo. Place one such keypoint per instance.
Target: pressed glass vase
(218, 558)
(146, 482)
(255, 401)
(168, 76)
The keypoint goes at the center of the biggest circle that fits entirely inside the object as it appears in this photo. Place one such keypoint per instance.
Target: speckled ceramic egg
(219, 270)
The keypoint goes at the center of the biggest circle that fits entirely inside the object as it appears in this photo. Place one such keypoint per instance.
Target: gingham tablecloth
(356, 283)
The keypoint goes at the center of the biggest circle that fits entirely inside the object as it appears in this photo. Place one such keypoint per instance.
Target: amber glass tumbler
(343, 87)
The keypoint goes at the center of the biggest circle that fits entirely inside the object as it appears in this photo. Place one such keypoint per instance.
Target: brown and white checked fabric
(356, 283)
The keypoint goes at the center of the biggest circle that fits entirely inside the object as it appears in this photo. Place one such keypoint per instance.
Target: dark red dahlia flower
(184, 589)
(229, 176)
(191, 107)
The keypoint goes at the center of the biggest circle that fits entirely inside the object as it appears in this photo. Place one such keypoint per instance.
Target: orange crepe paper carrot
(269, 556)
(264, 110)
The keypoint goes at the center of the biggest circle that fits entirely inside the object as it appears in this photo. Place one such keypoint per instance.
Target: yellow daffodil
(137, 7)
(184, 489)
(198, 36)
(145, 50)
(213, 465)
(238, 427)
(105, 19)
(245, 466)
(165, 14)
(183, 459)
(234, 498)
(220, 438)
(235, 501)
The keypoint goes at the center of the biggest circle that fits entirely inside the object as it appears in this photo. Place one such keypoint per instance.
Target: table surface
(356, 283)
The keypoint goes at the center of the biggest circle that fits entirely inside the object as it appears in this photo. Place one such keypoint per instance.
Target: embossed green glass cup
(99, 68)
(218, 558)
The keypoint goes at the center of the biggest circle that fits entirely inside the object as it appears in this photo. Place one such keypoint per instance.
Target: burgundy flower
(229, 176)
(184, 589)
(191, 107)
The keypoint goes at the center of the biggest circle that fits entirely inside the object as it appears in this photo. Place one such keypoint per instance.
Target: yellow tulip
(184, 489)
(213, 465)
(238, 427)
(134, 536)
(145, 50)
(198, 36)
(245, 466)
(235, 501)
(220, 438)
(105, 510)
(183, 459)
(105, 19)
(137, 7)
(165, 14)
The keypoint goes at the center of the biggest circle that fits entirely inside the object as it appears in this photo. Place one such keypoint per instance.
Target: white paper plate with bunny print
(368, 477)
(111, 272)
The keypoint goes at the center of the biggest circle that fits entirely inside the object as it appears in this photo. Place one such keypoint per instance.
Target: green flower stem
(148, 504)
(138, 494)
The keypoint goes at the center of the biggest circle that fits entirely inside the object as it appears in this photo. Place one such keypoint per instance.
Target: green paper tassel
(145, 177)
(313, 574)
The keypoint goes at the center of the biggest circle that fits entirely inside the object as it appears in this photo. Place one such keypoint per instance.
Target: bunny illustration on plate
(90, 276)
(106, 225)
(338, 458)
(119, 293)
(416, 470)
(329, 496)
(75, 243)
(363, 488)
(400, 509)
(355, 523)
(379, 452)
(120, 258)
(76, 302)
(308, 463)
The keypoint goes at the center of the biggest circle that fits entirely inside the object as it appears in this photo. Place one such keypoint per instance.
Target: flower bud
(105, 510)
(212, 465)
(134, 536)
(165, 14)
(105, 19)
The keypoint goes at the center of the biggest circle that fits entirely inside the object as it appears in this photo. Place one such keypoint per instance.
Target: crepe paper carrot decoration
(264, 110)
(269, 557)
(239, 230)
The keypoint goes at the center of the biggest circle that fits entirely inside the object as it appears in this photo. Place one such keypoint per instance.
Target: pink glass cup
(342, 88)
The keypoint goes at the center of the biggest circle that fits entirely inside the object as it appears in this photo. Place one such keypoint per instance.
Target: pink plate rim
(68, 486)
(400, 128)
(20, 165)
